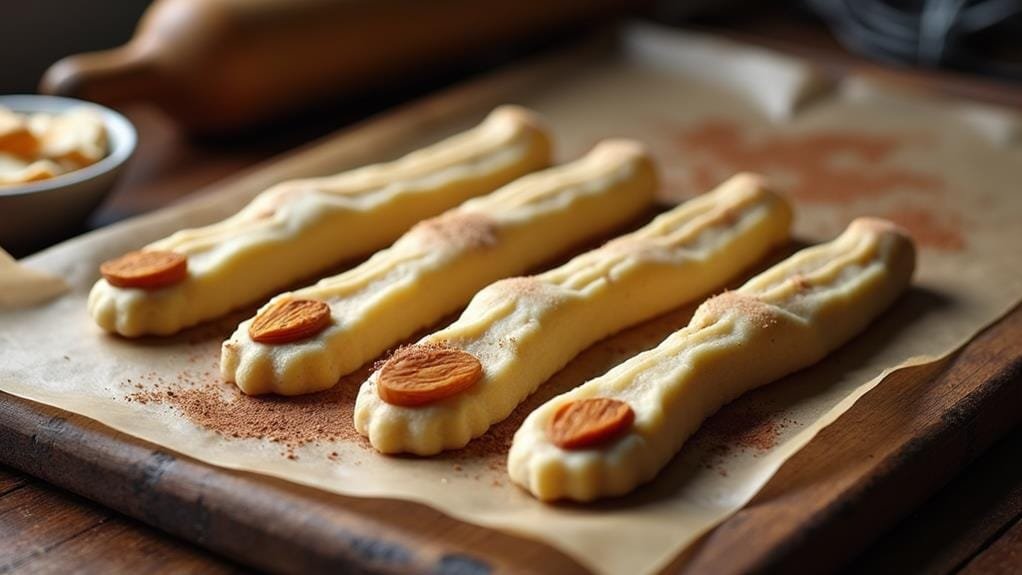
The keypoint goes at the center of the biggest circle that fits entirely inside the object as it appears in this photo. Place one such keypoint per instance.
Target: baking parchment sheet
(707, 108)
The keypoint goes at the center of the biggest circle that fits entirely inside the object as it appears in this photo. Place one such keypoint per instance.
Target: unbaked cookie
(435, 268)
(522, 330)
(300, 227)
(617, 431)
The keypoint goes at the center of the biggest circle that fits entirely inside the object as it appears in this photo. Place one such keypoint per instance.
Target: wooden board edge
(213, 507)
(967, 402)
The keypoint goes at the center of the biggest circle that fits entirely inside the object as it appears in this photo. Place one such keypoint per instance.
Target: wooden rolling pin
(219, 65)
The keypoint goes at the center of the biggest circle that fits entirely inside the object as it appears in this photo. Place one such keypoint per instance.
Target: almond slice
(145, 269)
(290, 320)
(588, 422)
(421, 374)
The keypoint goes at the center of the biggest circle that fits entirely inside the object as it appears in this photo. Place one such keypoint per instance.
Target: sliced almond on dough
(290, 320)
(421, 374)
(145, 269)
(588, 422)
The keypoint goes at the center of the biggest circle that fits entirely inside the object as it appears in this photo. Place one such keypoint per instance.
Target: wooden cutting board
(896, 446)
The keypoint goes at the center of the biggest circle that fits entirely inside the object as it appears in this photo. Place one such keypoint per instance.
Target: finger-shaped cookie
(617, 431)
(435, 268)
(298, 228)
(522, 330)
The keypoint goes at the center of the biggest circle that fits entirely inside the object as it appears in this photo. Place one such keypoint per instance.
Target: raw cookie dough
(784, 319)
(300, 227)
(525, 329)
(435, 268)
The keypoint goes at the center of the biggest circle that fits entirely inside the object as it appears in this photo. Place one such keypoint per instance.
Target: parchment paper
(948, 171)
(22, 286)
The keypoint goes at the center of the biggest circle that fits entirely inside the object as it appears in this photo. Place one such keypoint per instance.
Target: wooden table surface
(973, 525)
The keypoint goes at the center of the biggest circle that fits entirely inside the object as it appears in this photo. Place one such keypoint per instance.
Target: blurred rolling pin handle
(221, 65)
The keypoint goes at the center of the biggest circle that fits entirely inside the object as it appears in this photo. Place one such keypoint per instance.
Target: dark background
(37, 33)
(982, 37)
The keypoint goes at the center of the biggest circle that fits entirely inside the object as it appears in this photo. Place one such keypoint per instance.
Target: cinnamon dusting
(291, 422)
(470, 230)
(733, 431)
(929, 229)
(748, 306)
(823, 166)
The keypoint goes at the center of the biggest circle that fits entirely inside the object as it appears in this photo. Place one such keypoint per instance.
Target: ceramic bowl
(34, 212)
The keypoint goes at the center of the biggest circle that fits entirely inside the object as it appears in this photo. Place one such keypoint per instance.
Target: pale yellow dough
(298, 228)
(435, 268)
(523, 330)
(787, 318)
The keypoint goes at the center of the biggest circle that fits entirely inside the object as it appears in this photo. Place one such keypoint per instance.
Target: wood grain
(10, 481)
(47, 531)
(897, 446)
(253, 519)
(957, 524)
(137, 551)
(17, 511)
(1004, 556)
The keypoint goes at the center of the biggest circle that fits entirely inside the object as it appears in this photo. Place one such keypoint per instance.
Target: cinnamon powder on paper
(290, 421)
(731, 431)
(824, 166)
(929, 229)
(745, 430)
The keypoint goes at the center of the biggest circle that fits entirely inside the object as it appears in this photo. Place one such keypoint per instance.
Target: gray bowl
(35, 212)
